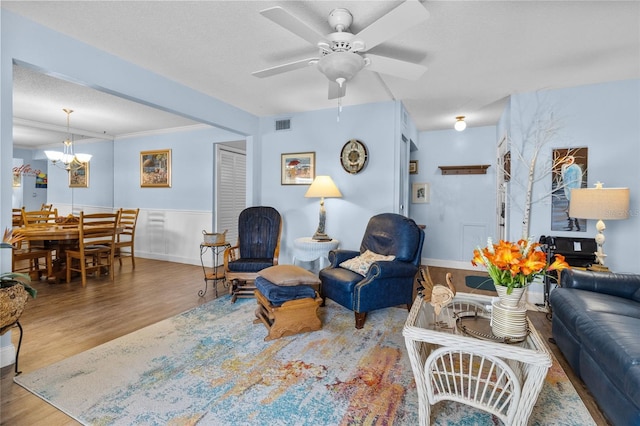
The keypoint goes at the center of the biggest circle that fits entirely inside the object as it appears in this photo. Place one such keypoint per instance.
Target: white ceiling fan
(343, 54)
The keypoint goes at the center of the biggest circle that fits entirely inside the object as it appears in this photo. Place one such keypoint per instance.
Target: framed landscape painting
(155, 169)
(298, 168)
(79, 176)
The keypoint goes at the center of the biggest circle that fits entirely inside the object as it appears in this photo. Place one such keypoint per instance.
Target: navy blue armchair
(387, 282)
(258, 247)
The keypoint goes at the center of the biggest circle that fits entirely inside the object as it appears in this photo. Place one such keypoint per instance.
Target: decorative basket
(12, 302)
(214, 237)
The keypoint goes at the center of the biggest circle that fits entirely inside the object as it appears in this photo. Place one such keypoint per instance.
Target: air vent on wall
(284, 124)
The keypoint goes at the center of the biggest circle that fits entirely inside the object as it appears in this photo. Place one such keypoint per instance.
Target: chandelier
(67, 159)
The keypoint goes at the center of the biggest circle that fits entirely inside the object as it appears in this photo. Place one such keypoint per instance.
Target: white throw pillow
(361, 264)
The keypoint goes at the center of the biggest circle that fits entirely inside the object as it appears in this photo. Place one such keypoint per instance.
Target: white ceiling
(477, 54)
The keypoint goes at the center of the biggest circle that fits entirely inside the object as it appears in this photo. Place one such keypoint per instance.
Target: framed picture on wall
(155, 169)
(298, 168)
(413, 167)
(79, 176)
(17, 179)
(420, 193)
(569, 171)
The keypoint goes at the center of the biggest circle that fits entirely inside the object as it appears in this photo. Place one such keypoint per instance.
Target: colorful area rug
(211, 366)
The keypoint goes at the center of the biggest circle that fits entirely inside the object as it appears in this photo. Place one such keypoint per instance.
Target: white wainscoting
(171, 235)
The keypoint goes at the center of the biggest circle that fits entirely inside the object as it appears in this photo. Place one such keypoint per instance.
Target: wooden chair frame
(126, 238)
(96, 245)
(292, 317)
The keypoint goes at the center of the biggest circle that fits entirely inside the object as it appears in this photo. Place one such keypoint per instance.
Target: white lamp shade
(54, 155)
(323, 186)
(83, 158)
(599, 203)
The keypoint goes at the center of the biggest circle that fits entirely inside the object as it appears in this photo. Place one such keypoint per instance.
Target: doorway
(231, 177)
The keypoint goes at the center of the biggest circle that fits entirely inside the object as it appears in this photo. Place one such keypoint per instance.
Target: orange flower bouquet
(515, 265)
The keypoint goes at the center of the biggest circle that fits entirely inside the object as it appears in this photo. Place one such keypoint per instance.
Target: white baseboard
(452, 264)
(172, 258)
(7, 354)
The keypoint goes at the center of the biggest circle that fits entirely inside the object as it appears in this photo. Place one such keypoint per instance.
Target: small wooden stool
(299, 315)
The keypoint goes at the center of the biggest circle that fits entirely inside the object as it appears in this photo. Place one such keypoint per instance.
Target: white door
(230, 189)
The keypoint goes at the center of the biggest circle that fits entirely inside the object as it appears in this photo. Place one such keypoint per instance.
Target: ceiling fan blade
(335, 91)
(407, 15)
(279, 69)
(293, 24)
(395, 67)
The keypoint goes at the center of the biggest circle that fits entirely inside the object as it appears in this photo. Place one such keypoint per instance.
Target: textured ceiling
(477, 54)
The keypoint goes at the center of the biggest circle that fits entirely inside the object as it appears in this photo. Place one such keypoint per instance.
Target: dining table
(59, 236)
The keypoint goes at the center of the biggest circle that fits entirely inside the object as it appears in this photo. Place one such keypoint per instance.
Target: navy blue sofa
(596, 325)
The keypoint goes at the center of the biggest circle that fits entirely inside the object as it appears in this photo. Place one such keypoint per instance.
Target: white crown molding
(162, 131)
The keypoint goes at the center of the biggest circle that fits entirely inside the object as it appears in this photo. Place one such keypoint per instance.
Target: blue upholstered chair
(258, 247)
(387, 282)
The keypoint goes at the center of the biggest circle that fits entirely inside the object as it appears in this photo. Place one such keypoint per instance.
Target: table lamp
(601, 204)
(322, 186)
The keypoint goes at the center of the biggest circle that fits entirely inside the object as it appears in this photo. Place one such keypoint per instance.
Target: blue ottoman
(286, 310)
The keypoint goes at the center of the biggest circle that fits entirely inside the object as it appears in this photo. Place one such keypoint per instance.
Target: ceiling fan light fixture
(460, 124)
(343, 65)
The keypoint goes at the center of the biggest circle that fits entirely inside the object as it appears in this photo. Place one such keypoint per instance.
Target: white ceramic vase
(509, 300)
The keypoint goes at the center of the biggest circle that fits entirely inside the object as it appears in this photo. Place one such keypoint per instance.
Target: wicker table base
(502, 379)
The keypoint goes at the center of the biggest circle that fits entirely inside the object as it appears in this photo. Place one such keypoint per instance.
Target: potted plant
(14, 288)
(513, 266)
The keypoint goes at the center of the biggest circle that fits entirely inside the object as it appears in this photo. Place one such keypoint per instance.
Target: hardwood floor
(66, 319)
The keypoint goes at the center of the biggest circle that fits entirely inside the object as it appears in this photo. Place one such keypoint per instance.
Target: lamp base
(318, 236)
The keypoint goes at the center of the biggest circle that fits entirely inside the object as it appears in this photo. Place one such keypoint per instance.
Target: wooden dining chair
(16, 218)
(125, 238)
(39, 217)
(32, 219)
(35, 261)
(48, 207)
(96, 245)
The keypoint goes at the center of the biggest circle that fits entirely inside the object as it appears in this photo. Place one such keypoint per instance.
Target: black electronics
(577, 252)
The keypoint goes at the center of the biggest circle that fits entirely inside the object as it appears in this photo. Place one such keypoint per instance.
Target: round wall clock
(353, 156)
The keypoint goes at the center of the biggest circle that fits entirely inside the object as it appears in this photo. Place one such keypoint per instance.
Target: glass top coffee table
(450, 363)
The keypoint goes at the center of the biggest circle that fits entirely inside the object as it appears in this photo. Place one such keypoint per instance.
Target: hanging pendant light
(67, 159)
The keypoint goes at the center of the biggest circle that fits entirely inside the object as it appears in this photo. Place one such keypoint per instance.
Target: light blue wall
(30, 44)
(363, 195)
(100, 190)
(603, 117)
(28, 195)
(192, 174)
(606, 119)
(461, 211)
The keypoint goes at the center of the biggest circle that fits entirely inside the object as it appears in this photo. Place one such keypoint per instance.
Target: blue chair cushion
(277, 295)
(250, 265)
